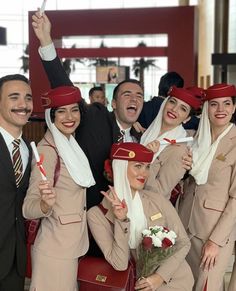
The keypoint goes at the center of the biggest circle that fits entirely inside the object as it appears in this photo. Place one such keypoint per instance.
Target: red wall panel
(177, 22)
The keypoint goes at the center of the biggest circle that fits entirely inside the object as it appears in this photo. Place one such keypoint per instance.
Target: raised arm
(42, 28)
(52, 65)
(111, 239)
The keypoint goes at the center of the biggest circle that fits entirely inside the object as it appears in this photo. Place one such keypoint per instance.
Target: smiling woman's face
(175, 112)
(67, 118)
(137, 173)
(220, 111)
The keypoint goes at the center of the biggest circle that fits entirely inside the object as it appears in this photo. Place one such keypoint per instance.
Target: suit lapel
(5, 159)
(115, 127)
(225, 144)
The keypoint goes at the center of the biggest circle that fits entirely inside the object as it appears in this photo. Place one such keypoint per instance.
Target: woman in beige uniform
(167, 168)
(211, 190)
(62, 236)
(130, 210)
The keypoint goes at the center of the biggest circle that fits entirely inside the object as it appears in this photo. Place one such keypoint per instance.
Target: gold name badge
(156, 216)
(101, 278)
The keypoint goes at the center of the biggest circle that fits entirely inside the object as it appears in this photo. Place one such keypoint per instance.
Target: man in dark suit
(99, 128)
(15, 108)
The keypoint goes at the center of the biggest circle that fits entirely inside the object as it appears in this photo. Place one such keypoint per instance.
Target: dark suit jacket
(98, 130)
(12, 238)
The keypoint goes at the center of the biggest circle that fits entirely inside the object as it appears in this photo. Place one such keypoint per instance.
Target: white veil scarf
(203, 149)
(138, 221)
(153, 131)
(73, 156)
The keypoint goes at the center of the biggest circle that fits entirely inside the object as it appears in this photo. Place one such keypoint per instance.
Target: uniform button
(85, 208)
(126, 230)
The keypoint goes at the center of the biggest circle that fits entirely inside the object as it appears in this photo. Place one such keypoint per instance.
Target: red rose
(147, 243)
(108, 170)
(166, 243)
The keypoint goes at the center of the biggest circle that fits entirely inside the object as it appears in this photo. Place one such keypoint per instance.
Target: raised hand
(138, 127)
(187, 159)
(42, 28)
(48, 196)
(119, 207)
(153, 146)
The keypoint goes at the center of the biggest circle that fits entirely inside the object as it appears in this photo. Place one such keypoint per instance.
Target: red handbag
(96, 274)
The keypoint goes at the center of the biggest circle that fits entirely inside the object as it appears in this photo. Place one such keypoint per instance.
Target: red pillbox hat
(186, 96)
(60, 96)
(219, 91)
(196, 91)
(131, 151)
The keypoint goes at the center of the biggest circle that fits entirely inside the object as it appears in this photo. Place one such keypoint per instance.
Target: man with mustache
(16, 106)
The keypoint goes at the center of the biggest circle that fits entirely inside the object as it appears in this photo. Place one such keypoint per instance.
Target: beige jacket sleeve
(112, 242)
(167, 170)
(31, 206)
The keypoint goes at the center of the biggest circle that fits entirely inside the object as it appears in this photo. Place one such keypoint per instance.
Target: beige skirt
(51, 274)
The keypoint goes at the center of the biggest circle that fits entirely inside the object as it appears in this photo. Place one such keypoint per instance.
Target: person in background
(128, 211)
(208, 206)
(16, 106)
(167, 168)
(96, 94)
(60, 202)
(152, 107)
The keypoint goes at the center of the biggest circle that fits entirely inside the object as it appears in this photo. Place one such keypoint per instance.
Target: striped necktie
(121, 136)
(17, 161)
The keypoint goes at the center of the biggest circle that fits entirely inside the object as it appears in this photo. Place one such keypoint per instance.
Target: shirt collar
(7, 136)
(127, 130)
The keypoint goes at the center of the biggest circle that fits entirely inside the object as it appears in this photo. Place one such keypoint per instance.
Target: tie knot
(121, 136)
(16, 142)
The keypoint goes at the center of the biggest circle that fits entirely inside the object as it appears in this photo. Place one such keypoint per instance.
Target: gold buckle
(101, 278)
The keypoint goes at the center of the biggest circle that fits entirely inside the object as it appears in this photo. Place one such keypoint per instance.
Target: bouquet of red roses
(156, 246)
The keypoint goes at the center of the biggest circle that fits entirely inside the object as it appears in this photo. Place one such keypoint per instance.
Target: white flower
(158, 233)
(156, 241)
(172, 234)
(146, 232)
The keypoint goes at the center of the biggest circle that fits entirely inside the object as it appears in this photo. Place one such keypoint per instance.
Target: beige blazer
(167, 170)
(209, 211)
(63, 232)
(112, 236)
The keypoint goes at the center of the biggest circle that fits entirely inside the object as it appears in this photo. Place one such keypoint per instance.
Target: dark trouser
(13, 281)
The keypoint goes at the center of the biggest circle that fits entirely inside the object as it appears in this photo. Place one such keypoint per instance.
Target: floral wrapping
(156, 246)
